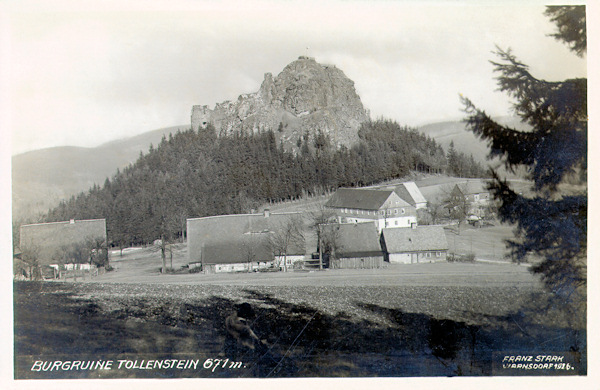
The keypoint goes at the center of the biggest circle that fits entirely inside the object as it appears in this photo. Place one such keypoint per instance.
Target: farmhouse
(474, 191)
(246, 242)
(422, 244)
(383, 208)
(407, 191)
(475, 195)
(358, 247)
(49, 240)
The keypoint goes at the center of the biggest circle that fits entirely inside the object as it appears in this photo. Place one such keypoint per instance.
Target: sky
(85, 73)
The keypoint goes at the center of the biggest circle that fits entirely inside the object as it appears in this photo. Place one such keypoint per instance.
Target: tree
(552, 223)
(435, 210)
(30, 254)
(288, 235)
(325, 225)
(457, 203)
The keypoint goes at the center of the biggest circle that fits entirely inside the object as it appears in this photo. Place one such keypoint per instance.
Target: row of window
(373, 212)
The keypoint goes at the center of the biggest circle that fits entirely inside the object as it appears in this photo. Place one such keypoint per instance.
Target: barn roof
(228, 239)
(363, 199)
(252, 248)
(49, 238)
(421, 238)
(358, 239)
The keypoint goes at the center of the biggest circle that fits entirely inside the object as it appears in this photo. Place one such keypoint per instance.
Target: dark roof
(358, 239)
(421, 238)
(229, 238)
(255, 247)
(356, 198)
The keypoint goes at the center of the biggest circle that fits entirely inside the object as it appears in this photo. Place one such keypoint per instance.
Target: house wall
(289, 259)
(194, 241)
(396, 222)
(400, 258)
(417, 257)
(237, 267)
(358, 262)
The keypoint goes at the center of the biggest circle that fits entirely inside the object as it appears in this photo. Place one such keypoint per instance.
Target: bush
(457, 258)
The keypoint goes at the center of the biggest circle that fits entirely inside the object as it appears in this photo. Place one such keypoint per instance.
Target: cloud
(84, 77)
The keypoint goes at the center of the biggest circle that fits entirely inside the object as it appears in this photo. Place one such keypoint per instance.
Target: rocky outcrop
(305, 96)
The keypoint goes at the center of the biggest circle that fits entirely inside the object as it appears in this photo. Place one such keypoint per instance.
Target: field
(442, 319)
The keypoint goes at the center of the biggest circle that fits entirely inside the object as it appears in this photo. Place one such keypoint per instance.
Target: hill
(465, 141)
(42, 178)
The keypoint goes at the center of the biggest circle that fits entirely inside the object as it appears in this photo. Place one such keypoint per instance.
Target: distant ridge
(42, 178)
(465, 141)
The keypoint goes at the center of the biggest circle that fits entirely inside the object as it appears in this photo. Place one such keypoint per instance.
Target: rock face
(305, 96)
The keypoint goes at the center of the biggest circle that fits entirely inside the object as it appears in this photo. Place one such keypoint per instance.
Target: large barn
(246, 242)
(48, 240)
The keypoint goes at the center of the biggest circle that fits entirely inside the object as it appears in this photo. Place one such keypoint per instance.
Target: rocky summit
(305, 96)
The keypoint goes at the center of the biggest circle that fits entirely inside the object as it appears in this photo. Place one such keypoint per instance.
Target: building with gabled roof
(49, 240)
(421, 244)
(411, 193)
(358, 247)
(384, 208)
(242, 242)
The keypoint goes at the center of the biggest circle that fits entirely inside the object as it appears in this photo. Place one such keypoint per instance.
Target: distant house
(359, 247)
(243, 242)
(49, 239)
(475, 194)
(474, 191)
(422, 244)
(384, 208)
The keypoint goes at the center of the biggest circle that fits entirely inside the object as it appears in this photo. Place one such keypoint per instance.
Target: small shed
(421, 244)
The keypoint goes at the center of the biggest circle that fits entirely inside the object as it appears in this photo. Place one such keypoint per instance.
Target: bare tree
(288, 235)
(326, 226)
(435, 209)
(30, 254)
(457, 203)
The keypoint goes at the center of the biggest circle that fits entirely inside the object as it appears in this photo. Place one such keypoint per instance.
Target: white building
(382, 207)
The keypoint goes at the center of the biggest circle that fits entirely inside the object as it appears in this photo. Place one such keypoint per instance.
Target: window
(403, 211)
(438, 254)
(396, 211)
(396, 223)
(428, 254)
(477, 197)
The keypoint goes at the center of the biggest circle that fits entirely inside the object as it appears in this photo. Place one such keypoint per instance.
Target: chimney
(267, 213)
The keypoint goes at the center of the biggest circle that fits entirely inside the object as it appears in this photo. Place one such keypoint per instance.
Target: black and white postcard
(393, 192)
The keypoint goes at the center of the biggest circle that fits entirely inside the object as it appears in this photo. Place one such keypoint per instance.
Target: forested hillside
(195, 174)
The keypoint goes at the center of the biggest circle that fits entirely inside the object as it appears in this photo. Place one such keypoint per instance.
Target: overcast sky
(82, 73)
